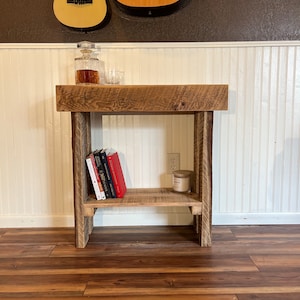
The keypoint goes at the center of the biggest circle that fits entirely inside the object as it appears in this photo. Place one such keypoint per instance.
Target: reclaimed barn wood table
(199, 100)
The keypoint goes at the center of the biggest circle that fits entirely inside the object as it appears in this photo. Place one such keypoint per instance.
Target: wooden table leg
(81, 144)
(203, 126)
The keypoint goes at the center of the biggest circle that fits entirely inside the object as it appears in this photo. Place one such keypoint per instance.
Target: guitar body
(150, 8)
(147, 3)
(81, 14)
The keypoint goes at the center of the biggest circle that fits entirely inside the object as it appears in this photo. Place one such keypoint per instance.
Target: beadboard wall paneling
(256, 146)
(36, 175)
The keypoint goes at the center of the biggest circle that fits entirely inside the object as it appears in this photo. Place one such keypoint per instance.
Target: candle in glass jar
(182, 181)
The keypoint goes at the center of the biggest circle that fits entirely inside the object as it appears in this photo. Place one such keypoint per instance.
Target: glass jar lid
(86, 45)
(182, 173)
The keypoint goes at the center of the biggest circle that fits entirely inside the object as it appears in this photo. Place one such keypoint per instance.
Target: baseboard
(256, 219)
(151, 219)
(36, 221)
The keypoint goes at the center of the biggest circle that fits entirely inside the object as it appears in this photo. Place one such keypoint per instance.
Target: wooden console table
(200, 100)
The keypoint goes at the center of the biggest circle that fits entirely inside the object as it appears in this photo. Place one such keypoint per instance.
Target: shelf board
(148, 197)
(122, 99)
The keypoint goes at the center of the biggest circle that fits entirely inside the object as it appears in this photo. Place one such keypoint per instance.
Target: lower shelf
(149, 197)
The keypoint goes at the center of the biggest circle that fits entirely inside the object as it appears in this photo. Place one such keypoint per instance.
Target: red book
(116, 173)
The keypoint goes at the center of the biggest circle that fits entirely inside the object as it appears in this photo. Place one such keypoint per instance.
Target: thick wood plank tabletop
(141, 98)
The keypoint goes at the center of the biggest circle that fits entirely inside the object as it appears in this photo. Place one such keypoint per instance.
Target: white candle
(182, 181)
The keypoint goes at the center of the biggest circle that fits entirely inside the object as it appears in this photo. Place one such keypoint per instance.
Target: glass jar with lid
(182, 181)
(88, 68)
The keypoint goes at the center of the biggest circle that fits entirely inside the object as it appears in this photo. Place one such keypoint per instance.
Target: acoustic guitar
(151, 8)
(81, 14)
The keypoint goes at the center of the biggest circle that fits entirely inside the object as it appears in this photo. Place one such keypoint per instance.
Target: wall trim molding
(256, 219)
(36, 221)
(156, 219)
(153, 45)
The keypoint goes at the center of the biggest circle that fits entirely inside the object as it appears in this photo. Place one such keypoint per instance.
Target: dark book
(116, 173)
(107, 173)
(95, 178)
(102, 174)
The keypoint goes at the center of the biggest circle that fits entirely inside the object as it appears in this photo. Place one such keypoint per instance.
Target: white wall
(256, 151)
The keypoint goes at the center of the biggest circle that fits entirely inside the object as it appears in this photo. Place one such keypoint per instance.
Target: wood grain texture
(151, 263)
(203, 130)
(81, 144)
(148, 197)
(141, 99)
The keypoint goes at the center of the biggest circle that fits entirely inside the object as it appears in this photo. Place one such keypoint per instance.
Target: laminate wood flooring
(151, 263)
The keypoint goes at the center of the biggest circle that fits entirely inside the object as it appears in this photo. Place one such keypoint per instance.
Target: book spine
(102, 174)
(93, 178)
(102, 193)
(117, 174)
(114, 177)
(108, 174)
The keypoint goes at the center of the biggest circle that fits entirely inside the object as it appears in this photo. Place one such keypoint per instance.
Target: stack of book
(106, 174)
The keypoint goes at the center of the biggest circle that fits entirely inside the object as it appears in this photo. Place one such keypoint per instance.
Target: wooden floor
(151, 263)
